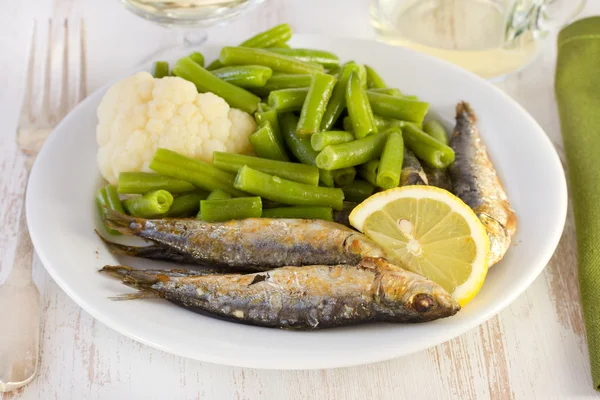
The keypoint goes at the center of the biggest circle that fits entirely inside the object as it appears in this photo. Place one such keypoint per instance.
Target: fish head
(403, 293)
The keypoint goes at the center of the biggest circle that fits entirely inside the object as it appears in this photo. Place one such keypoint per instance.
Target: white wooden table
(534, 349)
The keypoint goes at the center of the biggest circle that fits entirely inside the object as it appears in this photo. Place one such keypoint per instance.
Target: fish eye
(422, 302)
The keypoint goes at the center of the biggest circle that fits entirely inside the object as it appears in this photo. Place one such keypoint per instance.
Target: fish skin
(253, 244)
(475, 181)
(438, 177)
(412, 172)
(303, 298)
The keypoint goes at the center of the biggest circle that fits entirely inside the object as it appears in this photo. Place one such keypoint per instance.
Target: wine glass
(190, 16)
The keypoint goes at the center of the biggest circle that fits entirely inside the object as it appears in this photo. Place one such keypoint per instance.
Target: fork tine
(26, 109)
(46, 100)
(64, 105)
(82, 64)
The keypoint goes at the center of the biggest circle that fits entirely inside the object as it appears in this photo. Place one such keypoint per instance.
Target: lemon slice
(431, 232)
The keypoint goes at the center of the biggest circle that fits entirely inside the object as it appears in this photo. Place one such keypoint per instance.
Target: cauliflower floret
(140, 114)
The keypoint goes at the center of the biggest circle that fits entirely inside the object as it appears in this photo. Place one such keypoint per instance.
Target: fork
(54, 86)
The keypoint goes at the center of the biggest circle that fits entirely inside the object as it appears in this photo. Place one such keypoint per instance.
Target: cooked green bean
(333, 70)
(324, 58)
(161, 69)
(326, 178)
(390, 164)
(320, 140)
(426, 148)
(436, 130)
(150, 205)
(144, 182)
(286, 191)
(344, 176)
(245, 76)
(280, 45)
(302, 173)
(299, 146)
(347, 124)
(186, 205)
(266, 144)
(218, 194)
(216, 64)
(284, 81)
(358, 191)
(352, 153)
(228, 209)
(359, 108)
(197, 172)
(286, 100)
(368, 171)
(398, 107)
(325, 213)
(277, 62)
(276, 35)
(107, 197)
(198, 58)
(373, 79)
(337, 102)
(270, 116)
(315, 104)
(388, 91)
(205, 81)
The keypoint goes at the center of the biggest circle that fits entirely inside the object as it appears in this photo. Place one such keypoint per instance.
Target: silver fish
(310, 297)
(438, 177)
(256, 244)
(475, 181)
(412, 172)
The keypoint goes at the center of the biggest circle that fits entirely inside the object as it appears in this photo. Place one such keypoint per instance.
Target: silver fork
(55, 84)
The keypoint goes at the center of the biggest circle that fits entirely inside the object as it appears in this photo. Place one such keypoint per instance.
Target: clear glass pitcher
(489, 37)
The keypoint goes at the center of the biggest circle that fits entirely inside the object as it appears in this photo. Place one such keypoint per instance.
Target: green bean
(245, 76)
(228, 209)
(216, 64)
(359, 108)
(436, 130)
(333, 70)
(270, 116)
(390, 165)
(198, 58)
(302, 173)
(324, 213)
(186, 205)
(352, 153)
(267, 145)
(388, 91)
(276, 35)
(280, 45)
(197, 172)
(344, 176)
(151, 205)
(299, 146)
(368, 171)
(397, 107)
(286, 191)
(144, 182)
(161, 69)
(284, 81)
(337, 102)
(320, 140)
(286, 100)
(326, 178)
(347, 124)
(410, 97)
(358, 191)
(315, 104)
(324, 58)
(107, 197)
(373, 79)
(277, 62)
(205, 81)
(426, 148)
(218, 194)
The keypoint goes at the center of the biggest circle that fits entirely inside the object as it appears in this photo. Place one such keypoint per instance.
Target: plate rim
(451, 331)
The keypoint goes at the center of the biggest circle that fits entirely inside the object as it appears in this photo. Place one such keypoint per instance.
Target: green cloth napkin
(578, 96)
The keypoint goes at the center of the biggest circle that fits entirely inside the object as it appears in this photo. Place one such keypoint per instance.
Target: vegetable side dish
(305, 192)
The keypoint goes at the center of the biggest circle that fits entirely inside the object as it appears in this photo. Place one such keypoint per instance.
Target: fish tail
(122, 223)
(141, 280)
(152, 252)
(463, 108)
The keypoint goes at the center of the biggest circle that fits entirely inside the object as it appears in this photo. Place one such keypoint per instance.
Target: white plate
(62, 217)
